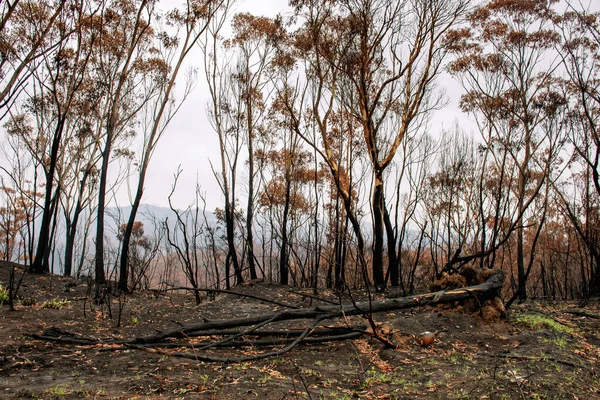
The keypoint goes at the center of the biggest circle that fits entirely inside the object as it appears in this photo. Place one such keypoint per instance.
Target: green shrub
(3, 295)
(56, 304)
(538, 321)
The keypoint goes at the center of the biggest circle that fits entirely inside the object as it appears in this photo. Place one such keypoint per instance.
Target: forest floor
(542, 350)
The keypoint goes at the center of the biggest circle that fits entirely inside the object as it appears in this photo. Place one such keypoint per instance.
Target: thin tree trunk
(393, 265)
(283, 253)
(250, 206)
(40, 262)
(100, 276)
(72, 227)
(378, 228)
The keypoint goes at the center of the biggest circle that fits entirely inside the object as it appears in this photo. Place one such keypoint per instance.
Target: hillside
(542, 350)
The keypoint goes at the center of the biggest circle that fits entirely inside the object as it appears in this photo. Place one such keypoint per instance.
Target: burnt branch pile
(204, 340)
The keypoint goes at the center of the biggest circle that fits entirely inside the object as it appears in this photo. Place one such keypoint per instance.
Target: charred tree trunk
(100, 276)
(284, 269)
(393, 265)
(40, 262)
(378, 229)
(71, 227)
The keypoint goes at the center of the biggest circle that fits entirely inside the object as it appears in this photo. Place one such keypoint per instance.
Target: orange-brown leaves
(275, 195)
(494, 29)
(248, 27)
(14, 215)
(458, 40)
(522, 9)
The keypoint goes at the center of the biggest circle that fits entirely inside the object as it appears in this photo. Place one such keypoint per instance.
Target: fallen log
(255, 324)
(488, 289)
(484, 291)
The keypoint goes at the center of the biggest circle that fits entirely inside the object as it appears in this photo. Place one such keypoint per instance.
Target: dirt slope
(541, 351)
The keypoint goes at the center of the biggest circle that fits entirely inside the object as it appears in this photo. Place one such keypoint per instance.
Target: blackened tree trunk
(230, 226)
(378, 229)
(71, 224)
(284, 269)
(393, 264)
(158, 125)
(40, 262)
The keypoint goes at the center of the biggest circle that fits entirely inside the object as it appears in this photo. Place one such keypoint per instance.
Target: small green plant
(59, 391)
(375, 377)
(453, 358)
(460, 394)
(134, 321)
(557, 367)
(241, 366)
(399, 381)
(203, 379)
(329, 382)
(3, 295)
(560, 342)
(56, 304)
(537, 321)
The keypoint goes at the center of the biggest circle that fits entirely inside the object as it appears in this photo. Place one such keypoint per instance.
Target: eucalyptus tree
(506, 62)
(226, 119)
(162, 71)
(124, 40)
(580, 49)
(26, 28)
(255, 41)
(378, 59)
(417, 154)
(52, 109)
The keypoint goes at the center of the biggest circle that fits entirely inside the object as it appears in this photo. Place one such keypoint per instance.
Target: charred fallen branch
(248, 331)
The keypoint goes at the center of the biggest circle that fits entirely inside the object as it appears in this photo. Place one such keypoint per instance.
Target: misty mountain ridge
(149, 215)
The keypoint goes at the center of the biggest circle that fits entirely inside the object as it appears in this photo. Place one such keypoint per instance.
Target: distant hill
(148, 214)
